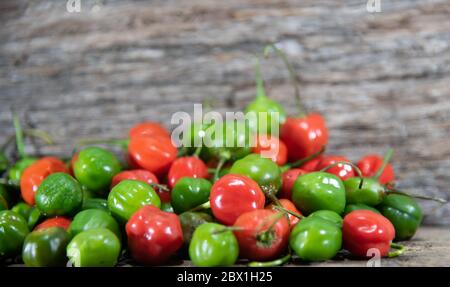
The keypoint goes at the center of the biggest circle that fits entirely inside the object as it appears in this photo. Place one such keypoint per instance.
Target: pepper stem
(299, 216)
(387, 158)
(292, 74)
(9, 182)
(198, 150)
(355, 167)
(159, 186)
(399, 250)
(43, 135)
(276, 262)
(306, 159)
(418, 196)
(19, 136)
(219, 167)
(227, 228)
(202, 206)
(260, 90)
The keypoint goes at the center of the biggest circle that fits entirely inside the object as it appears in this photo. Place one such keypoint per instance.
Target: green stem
(198, 150)
(218, 168)
(292, 74)
(19, 136)
(43, 135)
(260, 90)
(227, 228)
(355, 167)
(159, 186)
(276, 262)
(273, 219)
(202, 206)
(9, 182)
(419, 196)
(299, 216)
(306, 159)
(399, 250)
(182, 152)
(387, 158)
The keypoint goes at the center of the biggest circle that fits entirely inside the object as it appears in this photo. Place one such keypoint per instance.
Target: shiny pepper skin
(289, 205)
(365, 229)
(304, 136)
(370, 164)
(13, 230)
(371, 192)
(143, 176)
(35, 173)
(154, 235)
(288, 178)
(343, 171)
(190, 166)
(57, 221)
(256, 241)
(154, 154)
(233, 195)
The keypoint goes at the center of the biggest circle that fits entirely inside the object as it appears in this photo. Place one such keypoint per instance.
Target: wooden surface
(381, 80)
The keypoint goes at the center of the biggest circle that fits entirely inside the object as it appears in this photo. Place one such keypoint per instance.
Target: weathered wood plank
(382, 80)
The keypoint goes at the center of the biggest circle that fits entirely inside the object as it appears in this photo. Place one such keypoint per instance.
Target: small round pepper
(404, 213)
(212, 245)
(94, 248)
(189, 166)
(13, 230)
(359, 206)
(371, 192)
(92, 219)
(190, 221)
(128, 197)
(46, 248)
(189, 193)
(153, 235)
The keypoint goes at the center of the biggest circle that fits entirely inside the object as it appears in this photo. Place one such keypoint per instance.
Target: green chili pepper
(95, 167)
(94, 248)
(93, 219)
(352, 207)
(262, 123)
(15, 172)
(316, 239)
(404, 213)
(327, 215)
(46, 248)
(189, 223)
(59, 194)
(318, 191)
(31, 214)
(212, 245)
(262, 170)
(95, 203)
(371, 192)
(189, 193)
(130, 195)
(13, 230)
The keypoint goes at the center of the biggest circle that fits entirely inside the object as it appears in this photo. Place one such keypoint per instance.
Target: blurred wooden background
(381, 79)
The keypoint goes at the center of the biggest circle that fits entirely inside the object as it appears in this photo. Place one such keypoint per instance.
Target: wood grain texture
(381, 80)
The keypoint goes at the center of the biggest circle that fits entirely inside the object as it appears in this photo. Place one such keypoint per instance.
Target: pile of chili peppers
(211, 205)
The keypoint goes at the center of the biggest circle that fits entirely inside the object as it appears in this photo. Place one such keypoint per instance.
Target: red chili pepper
(371, 163)
(262, 234)
(154, 154)
(365, 229)
(288, 178)
(288, 205)
(273, 148)
(311, 165)
(144, 176)
(153, 235)
(33, 176)
(343, 171)
(148, 129)
(233, 195)
(304, 136)
(189, 166)
(54, 222)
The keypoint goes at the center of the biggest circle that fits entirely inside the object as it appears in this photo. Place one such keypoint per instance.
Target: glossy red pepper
(304, 136)
(262, 234)
(33, 176)
(288, 205)
(364, 229)
(57, 221)
(148, 129)
(154, 154)
(343, 171)
(311, 165)
(233, 195)
(189, 166)
(144, 176)
(287, 182)
(153, 235)
(370, 164)
(271, 147)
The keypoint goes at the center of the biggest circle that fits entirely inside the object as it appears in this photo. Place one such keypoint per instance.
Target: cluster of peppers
(212, 205)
